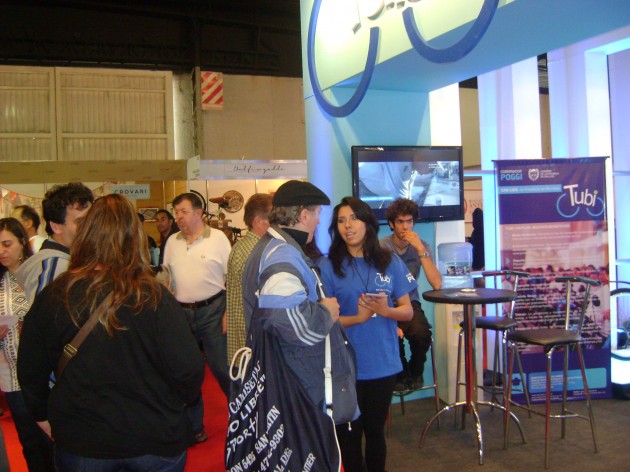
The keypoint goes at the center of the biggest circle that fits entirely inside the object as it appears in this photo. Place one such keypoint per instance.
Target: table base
(472, 408)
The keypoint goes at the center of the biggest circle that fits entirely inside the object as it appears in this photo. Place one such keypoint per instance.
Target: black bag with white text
(273, 425)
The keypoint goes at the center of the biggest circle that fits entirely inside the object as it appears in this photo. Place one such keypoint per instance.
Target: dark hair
(111, 252)
(174, 228)
(195, 201)
(401, 207)
(15, 227)
(58, 198)
(258, 204)
(311, 250)
(373, 253)
(29, 213)
(166, 212)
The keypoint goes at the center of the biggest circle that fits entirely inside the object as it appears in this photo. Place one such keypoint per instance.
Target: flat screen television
(432, 176)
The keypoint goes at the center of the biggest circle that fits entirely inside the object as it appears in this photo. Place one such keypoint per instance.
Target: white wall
(262, 119)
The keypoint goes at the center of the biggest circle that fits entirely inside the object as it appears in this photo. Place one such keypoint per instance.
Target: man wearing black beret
(287, 312)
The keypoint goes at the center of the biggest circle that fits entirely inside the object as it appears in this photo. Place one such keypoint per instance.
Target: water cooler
(455, 265)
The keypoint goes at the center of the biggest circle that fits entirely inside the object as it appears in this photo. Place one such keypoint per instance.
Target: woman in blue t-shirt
(371, 285)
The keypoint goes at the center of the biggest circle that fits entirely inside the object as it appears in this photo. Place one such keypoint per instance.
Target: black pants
(417, 332)
(37, 447)
(373, 397)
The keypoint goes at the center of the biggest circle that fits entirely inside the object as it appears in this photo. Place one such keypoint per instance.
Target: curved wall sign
(450, 54)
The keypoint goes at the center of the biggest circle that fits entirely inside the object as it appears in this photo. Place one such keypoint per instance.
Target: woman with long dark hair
(14, 250)
(372, 286)
(120, 403)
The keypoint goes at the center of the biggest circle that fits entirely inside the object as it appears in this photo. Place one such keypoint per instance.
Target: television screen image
(432, 176)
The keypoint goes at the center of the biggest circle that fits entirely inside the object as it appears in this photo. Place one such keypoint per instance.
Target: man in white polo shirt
(197, 259)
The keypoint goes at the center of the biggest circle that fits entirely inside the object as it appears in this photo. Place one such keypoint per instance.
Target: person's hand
(400, 333)
(414, 241)
(363, 313)
(377, 303)
(45, 426)
(4, 330)
(333, 307)
(224, 323)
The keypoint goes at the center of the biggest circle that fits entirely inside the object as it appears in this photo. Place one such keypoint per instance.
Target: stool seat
(495, 323)
(567, 339)
(546, 337)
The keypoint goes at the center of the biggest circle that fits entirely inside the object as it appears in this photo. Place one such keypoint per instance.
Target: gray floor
(454, 449)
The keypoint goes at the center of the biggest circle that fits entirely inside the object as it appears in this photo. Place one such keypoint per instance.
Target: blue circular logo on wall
(449, 54)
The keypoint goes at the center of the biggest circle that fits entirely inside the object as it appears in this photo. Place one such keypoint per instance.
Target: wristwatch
(426, 254)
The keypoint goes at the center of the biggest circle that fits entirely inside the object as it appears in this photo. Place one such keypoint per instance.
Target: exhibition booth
(380, 74)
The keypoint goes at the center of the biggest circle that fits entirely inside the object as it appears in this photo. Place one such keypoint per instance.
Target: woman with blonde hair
(120, 403)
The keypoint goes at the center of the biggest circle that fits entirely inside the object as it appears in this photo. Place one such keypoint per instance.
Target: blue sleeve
(286, 307)
(326, 275)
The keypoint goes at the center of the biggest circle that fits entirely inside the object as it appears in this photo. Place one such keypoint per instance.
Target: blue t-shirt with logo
(375, 341)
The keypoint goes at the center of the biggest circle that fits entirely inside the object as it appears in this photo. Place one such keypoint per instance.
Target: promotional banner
(552, 218)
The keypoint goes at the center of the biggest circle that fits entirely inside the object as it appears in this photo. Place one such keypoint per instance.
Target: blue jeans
(66, 462)
(206, 325)
(37, 447)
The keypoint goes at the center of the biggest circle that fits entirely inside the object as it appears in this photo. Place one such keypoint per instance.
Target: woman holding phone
(371, 285)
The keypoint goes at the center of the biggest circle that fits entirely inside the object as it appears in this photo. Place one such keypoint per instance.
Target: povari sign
(374, 10)
(138, 191)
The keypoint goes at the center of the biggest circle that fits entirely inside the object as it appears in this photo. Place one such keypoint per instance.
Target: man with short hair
(63, 206)
(256, 218)
(415, 253)
(197, 259)
(30, 221)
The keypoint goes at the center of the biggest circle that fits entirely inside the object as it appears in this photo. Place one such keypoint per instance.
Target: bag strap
(70, 350)
(328, 386)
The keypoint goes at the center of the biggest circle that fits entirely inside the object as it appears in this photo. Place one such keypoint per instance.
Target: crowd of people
(133, 342)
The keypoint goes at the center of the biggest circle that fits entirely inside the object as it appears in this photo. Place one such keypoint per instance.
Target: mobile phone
(375, 295)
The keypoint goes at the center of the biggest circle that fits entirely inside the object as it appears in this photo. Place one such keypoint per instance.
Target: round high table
(468, 298)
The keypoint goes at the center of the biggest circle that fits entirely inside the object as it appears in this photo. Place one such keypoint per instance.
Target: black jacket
(121, 396)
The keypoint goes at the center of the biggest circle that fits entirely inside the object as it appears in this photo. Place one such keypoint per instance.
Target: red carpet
(208, 456)
(204, 457)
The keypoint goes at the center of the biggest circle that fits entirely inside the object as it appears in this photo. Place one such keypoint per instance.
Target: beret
(299, 193)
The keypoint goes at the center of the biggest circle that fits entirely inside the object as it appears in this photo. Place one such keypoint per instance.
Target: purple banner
(552, 217)
(546, 190)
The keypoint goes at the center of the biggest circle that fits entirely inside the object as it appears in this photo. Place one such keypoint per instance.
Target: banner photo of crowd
(552, 218)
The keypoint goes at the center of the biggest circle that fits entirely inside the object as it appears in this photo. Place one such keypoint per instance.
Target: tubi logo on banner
(555, 191)
(552, 218)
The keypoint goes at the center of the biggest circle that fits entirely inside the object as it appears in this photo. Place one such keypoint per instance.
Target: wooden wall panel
(117, 148)
(114, 114)
(27, 125)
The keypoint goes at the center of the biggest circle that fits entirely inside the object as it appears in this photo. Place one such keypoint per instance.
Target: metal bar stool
(501, 325)
(567, 336)
(401, 394)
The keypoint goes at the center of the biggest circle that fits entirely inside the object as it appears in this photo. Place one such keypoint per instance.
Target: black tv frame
(431, 164)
